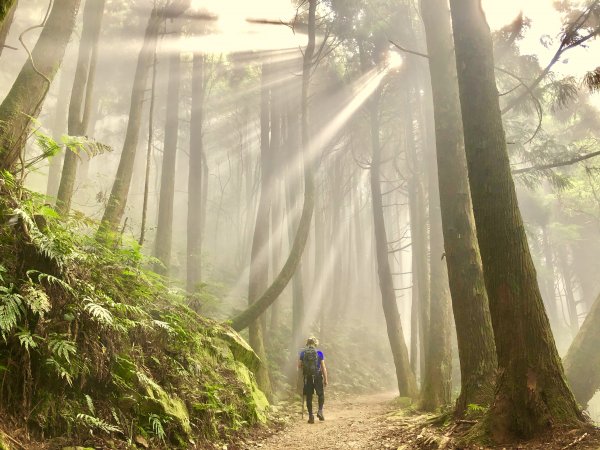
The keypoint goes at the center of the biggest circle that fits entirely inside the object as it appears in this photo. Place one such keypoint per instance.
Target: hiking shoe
(320, 416)
(311, 419)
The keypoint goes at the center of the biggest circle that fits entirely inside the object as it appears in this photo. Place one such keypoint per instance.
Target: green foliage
(86, 326)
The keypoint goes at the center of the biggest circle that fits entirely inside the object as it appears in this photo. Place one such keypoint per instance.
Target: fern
(44, 245)
(36, 300)
(62, 348)
(99, 424)
(27, 340)
(98, 313)
(11, 310)
(62, 372)
(157, 426)
(51, 280)
(90, 404)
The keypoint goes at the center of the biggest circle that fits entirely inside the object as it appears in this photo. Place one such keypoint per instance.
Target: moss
(3, 442)
(256, 398)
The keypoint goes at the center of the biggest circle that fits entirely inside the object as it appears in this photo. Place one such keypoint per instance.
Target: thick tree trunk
(81, 97)
(26, 97)
(276, 288)
(164, 229)
(120, 190)
(196, 177)
(436, 386)
(582, 363)
(407, 384)
(469, 298)
(531, 391)
(7, 14)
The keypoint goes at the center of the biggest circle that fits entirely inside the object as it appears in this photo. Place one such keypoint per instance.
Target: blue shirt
(320, 357)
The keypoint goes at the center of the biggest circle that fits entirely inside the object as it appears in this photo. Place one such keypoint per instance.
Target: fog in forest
(220, 112)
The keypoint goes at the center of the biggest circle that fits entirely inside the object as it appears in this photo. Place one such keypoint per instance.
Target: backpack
(310, 362)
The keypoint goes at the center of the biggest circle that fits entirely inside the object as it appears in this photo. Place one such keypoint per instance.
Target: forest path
(350, 423)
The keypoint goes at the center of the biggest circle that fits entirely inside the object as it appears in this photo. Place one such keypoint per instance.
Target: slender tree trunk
(569, 296)
(7, 14)
(25, 99)
(582, 363)
(59, 128)
(407, 384)
(164, 230)
(149, 147)
(81, 97)
(196, 177)
(469, 298)
(436, 387)
(531, 391)
(259, 259)
(120, 190)
(244, 319)
(549, 278)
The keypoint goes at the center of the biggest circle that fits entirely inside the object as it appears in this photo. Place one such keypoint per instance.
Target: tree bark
(164, 229)
(531, 391)
(242, 320)
(7, 14)
(25, 99)
(196, 177)
(477, 352)
(407, 384)
(582, 362)
(81, 97)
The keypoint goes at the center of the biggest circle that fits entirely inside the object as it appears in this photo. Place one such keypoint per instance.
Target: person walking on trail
(312, 364)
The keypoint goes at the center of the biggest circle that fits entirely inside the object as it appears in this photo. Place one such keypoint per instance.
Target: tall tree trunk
(582, 362)
(243, 319)
(196, 177)
(550, 301)
(164, 229)
(7, 14)
(259, 258)
(407, 384)
(120, 190)
(531, 391)
(477, 352)
(81, 97)
(24, 101)
(436, 387)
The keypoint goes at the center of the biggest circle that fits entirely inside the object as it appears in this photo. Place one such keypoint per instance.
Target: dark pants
(312, 385)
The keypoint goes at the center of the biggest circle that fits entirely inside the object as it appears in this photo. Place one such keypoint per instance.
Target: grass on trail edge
(95, 348)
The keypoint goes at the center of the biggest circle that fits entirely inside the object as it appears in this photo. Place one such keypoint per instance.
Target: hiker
(312, 363)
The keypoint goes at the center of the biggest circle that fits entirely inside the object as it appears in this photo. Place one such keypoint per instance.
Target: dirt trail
(349, 424)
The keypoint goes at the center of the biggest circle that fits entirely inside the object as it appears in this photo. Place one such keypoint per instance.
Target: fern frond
(27, 340)
(90, 404)
(60, 370)
(11, 310)
(62, 348)
(36, 300)
(157, 426)
(99, 424)
(98, 312)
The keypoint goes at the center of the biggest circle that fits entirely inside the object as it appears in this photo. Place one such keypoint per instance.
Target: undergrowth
(93, 346)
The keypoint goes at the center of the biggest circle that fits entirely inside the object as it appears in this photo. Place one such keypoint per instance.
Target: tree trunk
(582, 363)
(549, 278)
(407, 384)
(23, 103)
(196, 177)
(469, 298)
(120, 190)
(436, 387)
(242, 320)
(7, 14)
(81, 97)
(569, 295)
(59, 127)
(259, 259)
(531, 391)
(164, 229)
